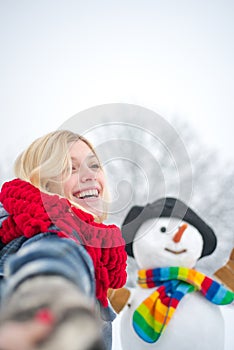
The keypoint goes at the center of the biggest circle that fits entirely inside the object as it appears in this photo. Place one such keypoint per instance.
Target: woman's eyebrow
(91, 156)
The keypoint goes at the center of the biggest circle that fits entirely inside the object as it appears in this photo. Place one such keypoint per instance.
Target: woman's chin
(92, 205)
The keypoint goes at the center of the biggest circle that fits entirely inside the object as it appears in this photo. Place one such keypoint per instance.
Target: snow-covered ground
(228, 314)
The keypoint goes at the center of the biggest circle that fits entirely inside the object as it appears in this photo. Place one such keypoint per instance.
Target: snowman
(174, 306)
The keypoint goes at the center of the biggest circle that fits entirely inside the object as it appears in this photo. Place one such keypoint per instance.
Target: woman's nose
(88, 175)
(178, 235)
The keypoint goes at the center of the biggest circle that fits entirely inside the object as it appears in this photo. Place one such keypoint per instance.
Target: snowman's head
(167, 242)
(153, 229)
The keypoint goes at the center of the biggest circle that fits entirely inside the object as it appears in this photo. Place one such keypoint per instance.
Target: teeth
(88, 193)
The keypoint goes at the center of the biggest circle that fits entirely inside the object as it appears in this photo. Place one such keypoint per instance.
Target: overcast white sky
(59, 57)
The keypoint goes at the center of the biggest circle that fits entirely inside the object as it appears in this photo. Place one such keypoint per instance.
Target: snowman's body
(197, 324)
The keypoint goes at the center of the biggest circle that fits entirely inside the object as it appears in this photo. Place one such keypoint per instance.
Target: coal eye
(163, 229)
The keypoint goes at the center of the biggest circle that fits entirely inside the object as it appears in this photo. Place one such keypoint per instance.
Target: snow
(228, 315)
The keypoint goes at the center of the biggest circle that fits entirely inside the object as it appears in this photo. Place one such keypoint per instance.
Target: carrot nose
(177, 237)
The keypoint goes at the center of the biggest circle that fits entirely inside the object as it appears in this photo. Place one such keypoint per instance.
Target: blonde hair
(47, 158)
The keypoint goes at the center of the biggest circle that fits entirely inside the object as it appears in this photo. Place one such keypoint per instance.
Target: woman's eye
(163, 229)
(95, 166)
(74, 169)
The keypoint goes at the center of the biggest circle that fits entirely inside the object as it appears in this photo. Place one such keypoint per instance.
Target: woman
(51, 227)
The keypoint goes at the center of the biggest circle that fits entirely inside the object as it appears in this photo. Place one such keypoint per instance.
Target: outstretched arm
(56, 274)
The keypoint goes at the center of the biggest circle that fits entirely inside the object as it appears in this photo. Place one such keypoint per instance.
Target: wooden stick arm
(118, 298)
(226, 273)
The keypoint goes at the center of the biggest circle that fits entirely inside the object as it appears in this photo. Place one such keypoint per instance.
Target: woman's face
(85, 186)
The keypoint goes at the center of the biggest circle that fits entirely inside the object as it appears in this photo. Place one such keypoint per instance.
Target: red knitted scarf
(32, 212)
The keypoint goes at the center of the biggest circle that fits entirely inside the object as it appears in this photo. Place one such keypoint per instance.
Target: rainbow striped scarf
(154, 313)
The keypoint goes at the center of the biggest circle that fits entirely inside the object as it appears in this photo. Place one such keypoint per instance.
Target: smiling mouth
(176, 251)
(93, 193)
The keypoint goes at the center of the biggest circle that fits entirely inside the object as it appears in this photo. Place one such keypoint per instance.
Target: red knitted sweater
(32, 211)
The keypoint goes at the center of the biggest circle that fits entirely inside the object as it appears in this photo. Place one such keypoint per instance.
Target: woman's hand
(23, 335)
